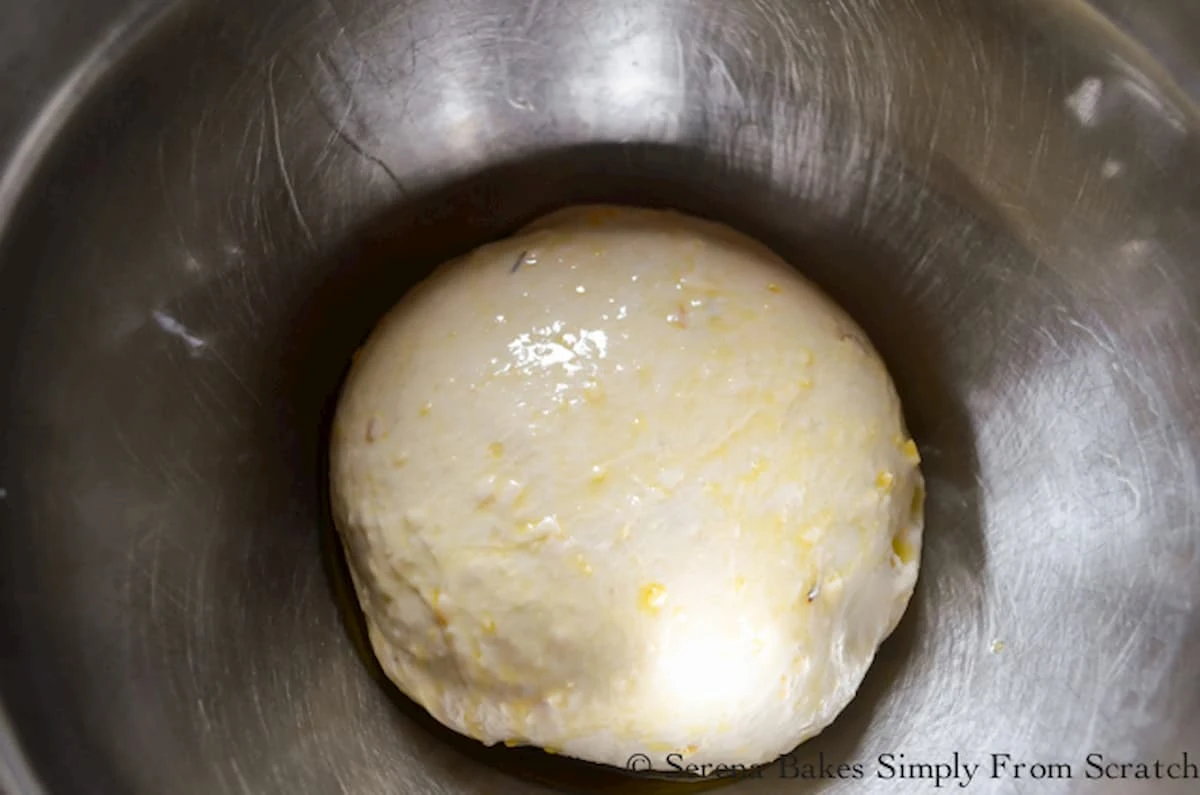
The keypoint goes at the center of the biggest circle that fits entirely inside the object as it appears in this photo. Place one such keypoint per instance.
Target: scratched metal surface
(222, 196)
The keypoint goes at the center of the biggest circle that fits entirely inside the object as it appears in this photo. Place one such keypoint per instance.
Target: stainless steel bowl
(205, 205)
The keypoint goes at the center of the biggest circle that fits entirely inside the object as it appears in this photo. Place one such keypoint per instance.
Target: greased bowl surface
(205, 207)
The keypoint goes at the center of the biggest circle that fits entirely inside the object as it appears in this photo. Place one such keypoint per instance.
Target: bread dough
(626, 483)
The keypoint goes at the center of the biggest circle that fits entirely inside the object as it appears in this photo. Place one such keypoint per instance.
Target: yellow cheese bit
(652, 596)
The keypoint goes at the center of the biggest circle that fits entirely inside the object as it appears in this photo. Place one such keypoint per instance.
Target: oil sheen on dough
(626, 483)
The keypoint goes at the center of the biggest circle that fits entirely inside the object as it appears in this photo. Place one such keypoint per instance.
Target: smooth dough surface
(626, 483)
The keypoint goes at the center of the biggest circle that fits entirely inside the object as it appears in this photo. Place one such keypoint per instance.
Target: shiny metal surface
(205, 205)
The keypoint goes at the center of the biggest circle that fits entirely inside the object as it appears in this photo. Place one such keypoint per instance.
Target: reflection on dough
(626, 483)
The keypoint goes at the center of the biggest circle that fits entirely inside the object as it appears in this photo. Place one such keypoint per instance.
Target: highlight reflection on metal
(1002, 193)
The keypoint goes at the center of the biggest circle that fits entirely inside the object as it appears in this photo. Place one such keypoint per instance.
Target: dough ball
(626, 483)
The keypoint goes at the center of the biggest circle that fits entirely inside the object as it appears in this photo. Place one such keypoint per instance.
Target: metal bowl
(205, 206)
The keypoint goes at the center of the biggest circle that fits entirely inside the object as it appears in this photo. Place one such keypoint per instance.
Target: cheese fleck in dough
(625, 481)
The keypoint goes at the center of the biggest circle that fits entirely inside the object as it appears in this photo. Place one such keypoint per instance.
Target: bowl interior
(1001, 195)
